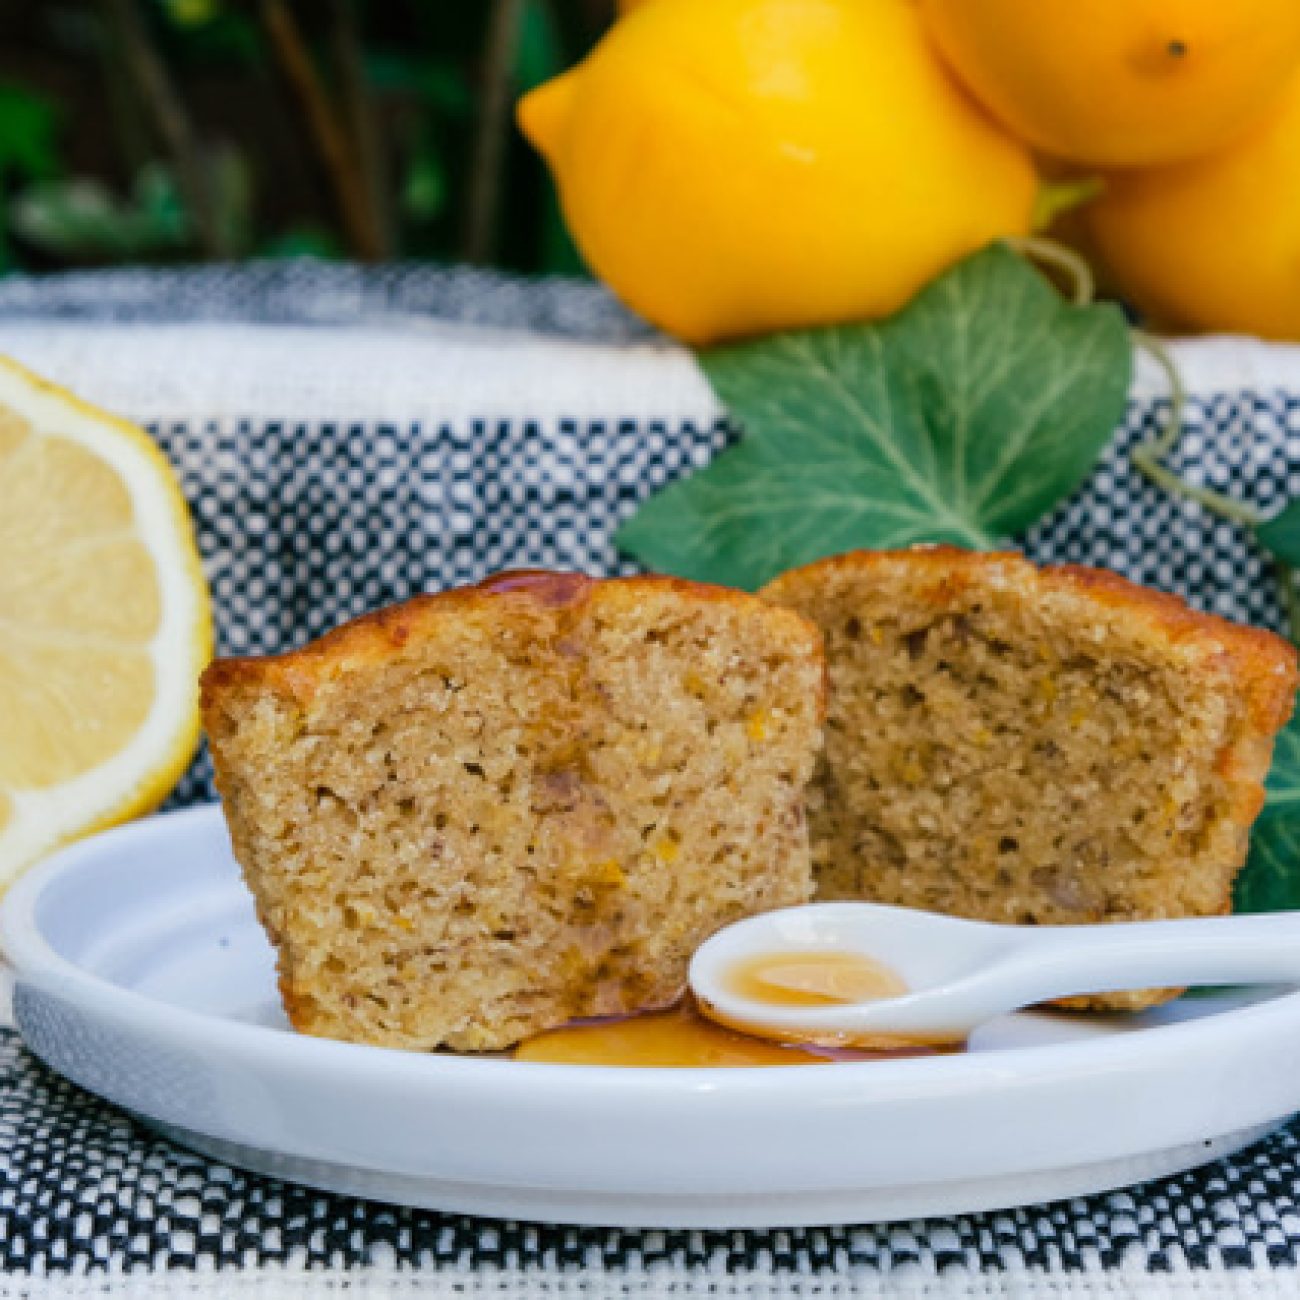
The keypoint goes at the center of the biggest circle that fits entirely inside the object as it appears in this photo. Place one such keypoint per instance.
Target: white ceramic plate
(142, 974)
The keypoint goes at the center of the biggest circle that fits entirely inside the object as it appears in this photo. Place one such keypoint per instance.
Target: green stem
(1290, 598)
(1149, 456)
(1056, 198)
(491, 132)
(1075, 268)
(144, 68)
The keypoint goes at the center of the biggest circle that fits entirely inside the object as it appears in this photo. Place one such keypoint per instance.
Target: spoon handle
(1061, 960)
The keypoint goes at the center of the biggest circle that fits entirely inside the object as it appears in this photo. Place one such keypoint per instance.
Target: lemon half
(105, 621)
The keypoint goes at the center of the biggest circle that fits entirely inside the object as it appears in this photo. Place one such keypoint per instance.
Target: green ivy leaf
(1283, 785)
(963, 418)
(424, 187)
(302, 240)
(539, 53)
(440, 84)
(27, 130)
(1280, 535)
(1270, 880)
(191, 13)
(80, 220)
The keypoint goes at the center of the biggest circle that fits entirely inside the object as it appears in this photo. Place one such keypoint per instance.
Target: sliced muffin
(484, 813)
(1019, 744)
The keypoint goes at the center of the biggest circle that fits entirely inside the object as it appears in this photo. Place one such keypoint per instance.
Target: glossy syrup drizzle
(682, 1037)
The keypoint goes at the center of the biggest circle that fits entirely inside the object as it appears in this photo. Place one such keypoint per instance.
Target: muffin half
(1033, 745)
(483, 813)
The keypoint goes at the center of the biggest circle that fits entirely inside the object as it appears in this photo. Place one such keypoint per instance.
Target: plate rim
(34, 959)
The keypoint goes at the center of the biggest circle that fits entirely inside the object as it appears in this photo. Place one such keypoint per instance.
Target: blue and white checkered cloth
(349, 437)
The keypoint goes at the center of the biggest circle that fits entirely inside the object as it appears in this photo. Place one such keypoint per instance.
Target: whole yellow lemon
(1120, 83)
(741, 166)
(1214, 243)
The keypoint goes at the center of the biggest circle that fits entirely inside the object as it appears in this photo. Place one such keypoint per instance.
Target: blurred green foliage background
(183, 130)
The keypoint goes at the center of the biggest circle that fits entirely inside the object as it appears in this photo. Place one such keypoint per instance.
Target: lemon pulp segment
(104, 620)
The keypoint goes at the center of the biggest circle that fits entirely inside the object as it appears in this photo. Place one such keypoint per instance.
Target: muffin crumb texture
(1051, 746)
(482, 814)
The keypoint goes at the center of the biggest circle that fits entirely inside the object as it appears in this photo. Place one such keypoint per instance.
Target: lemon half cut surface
(105, 621)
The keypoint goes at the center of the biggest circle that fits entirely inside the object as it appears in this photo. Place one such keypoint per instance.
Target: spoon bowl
(959, 974)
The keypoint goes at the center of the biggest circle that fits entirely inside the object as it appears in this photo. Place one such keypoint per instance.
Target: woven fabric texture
(85, 1188)
(346, 439)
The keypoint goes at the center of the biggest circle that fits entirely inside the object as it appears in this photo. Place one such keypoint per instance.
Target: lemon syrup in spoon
(819, 978)
(813, 979)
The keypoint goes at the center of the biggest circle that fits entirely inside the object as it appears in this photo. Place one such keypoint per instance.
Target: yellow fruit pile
(733, 167)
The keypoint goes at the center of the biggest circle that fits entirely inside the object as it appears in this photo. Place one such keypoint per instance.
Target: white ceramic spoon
(961, 973)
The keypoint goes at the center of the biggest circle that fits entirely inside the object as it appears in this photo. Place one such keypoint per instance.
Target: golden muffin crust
(480, 814)
(1018, 744)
